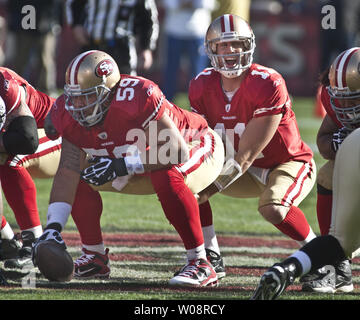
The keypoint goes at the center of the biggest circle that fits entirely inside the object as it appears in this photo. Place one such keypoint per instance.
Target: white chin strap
(94, 117)
(231, 73)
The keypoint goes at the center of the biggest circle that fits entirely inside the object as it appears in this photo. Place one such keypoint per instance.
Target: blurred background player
(239, 8)
(31, 52)
(25, 151)
(248, 104)
(116, 119)
(184, 27)
(342, 242)
(117, 27)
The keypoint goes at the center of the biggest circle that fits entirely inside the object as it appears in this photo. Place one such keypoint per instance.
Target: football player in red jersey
(134, 138)
(25, 152)
(250, 106)
(341, 242)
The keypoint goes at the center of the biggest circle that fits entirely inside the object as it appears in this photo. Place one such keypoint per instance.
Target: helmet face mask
(346, 108)
(344, 88)
(232, 30)
(90, 78)
(87, 106)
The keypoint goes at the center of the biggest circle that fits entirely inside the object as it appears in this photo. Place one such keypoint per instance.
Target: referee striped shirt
(107, 20)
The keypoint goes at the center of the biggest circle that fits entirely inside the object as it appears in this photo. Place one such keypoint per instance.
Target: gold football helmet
(344, 89)
(89, 79)
(230, 27)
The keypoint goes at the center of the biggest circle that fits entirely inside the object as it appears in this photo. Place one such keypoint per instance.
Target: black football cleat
(9, 248)
(331, 279)
(24, 254)
(273, 282)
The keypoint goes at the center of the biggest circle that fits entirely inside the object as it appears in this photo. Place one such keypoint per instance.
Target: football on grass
(54, 262)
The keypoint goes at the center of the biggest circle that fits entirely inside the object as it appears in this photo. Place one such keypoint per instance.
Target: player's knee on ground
(274, 213)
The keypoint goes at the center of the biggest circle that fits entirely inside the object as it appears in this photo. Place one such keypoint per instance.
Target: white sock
(58, 212)
(37, 231)
(7, 232)
(99, 248)
(304, 260)
(196, 253)
(210, 239)
(309, 237)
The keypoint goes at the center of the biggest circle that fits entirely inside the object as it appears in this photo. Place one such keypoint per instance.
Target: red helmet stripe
(340, 72)
(227, 23)
(231, 18)
(76, 65)
(67, 80)
(222, 24)
(345, 67)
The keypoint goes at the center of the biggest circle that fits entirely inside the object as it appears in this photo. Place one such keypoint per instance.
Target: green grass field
(135, 227)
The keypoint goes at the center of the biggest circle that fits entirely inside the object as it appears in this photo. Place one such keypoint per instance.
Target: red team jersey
(262, 93)
(137, 101)
(39, 103)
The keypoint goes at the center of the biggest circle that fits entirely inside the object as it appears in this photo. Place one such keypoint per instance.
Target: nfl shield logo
(102, 135)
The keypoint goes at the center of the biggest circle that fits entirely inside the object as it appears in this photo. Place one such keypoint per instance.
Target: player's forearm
(64, 186)
(68, 174)
(246, 159)
(165, 156)
(62, 197)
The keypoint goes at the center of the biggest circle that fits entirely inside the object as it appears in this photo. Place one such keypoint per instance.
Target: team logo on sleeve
(150, 90)
(6, 84)
(104, 68)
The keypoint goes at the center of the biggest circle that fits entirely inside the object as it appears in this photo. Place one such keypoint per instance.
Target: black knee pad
(21, 137)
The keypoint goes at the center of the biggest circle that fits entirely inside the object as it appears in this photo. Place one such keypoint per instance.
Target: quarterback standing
(342, 242)
(248, 104)
(121, 134)
(25, 153)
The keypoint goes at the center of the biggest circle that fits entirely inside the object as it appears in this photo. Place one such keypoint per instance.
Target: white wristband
(58, 212)
(133, 164)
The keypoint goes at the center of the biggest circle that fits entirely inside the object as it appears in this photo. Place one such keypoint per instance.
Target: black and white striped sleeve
(147, 24)
(75, 12)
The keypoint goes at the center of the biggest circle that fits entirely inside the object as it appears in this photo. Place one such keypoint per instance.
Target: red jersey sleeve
(9, 91)
(59, 116)
(154, 104)
(270, 91)
(325, 100)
